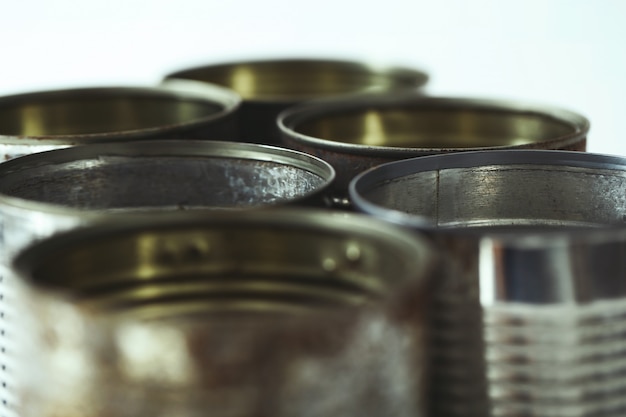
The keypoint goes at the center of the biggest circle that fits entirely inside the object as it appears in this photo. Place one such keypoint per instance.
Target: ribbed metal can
(357, 133)
(270, 86)
(47, 192)
(529, 314)
(44, 120)
(278, 312)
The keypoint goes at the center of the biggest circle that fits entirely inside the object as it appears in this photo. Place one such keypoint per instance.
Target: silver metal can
(33, 122)
(46, 192)
(270, 86)
(279, 313)
(357, 133)
(528, 316)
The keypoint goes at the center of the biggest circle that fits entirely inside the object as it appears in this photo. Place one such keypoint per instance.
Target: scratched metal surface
(529, 317)
(121, 182)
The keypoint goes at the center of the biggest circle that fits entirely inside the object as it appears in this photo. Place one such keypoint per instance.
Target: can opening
(174, 182)
(247, 268)
(418, 127)
(93, 113)
(500, 196)
(302, 79)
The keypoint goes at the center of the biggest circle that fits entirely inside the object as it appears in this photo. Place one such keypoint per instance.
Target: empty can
(354, 134)
(279, 313)
(529, 315)
(33, 122)
(270, 86)
(46, 192)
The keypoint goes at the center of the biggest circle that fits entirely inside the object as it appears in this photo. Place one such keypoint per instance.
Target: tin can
(46, 192)
(355, 134)
(270, 86)
(39, 121)
(528, 316)
(277, 313)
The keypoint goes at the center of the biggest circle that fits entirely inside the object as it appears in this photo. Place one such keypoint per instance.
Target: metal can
(277, 313)
(270, 86)
(357, 133)
(46, 192)
(528, 316)
(39, 121)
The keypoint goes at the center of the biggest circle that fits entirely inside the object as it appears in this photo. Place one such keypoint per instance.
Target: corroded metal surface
(160, 174)
(276, 313)
(44, 193)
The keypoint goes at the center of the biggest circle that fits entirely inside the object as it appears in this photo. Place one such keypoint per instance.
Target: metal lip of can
(346, 229)
(18, 175)
(366, 182)
(292, 80)
(180, 106)
(320, 301)
(457, 114)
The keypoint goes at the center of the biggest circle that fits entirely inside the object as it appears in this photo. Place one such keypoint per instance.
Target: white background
(569, 53)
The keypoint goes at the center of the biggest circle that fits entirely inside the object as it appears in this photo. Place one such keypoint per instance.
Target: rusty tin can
(46, 192)
(277, 313)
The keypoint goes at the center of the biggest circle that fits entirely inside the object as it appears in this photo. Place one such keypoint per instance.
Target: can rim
(396, 169)
(169, 148)
(289, 120)
(400, 77)
(228, 100)
(417, 250)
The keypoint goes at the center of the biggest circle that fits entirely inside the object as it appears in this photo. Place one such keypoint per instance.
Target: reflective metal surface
(46, 192)
(270, 86)
(354, 134)
(301, 79)
(39, 121)
(529, 315)
(160, 174)
(277, 313)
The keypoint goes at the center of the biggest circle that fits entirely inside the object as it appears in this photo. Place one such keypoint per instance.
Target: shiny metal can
(357, 133)
(529, 315)
(272, 85)
(46, 192)
(277, 312)
(38, 121)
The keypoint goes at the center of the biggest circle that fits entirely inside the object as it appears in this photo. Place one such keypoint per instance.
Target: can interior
(420, 127)
(300, 79)
(75, 113)
(175, 182)
(506, 195)
(195, 269)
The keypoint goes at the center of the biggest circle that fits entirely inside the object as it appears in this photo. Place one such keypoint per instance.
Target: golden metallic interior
(301, 79)
(75, 114)
(196, 270)
(415, 127)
